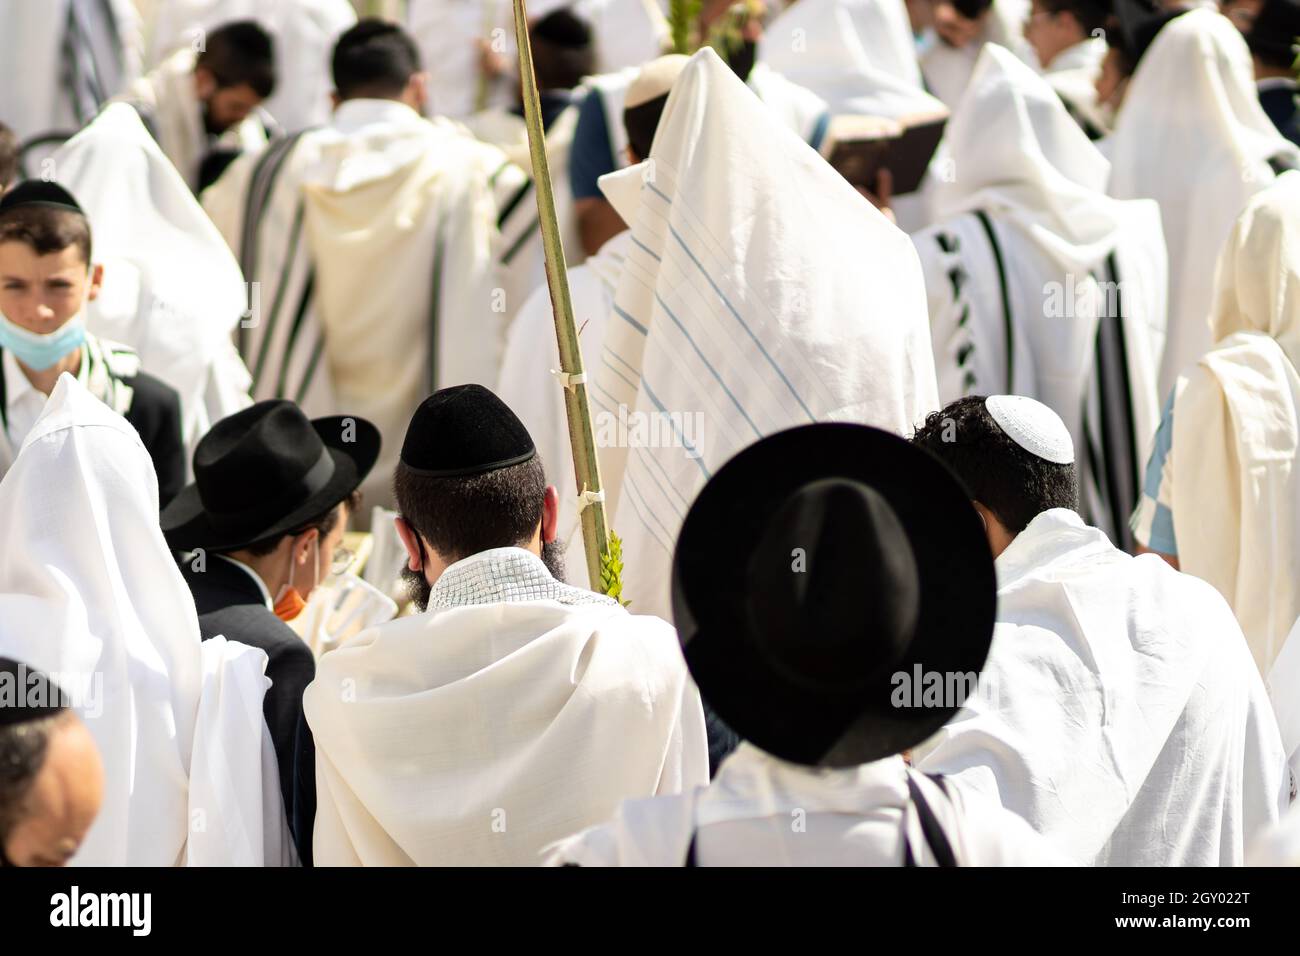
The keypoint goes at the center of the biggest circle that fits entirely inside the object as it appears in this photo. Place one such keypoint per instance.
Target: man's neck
(264, 567)
(44, 381)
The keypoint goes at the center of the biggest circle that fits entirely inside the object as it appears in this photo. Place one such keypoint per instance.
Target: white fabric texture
(827, 45)
(1016, 155)
(948, 69)
(1192, 136)
(528, 386)
(1119, 711)
(304, 32)
(760, 811)
(738, 315)
(513, 712)
(95, 596)
(1073, 74)
(34, 96)
(1283, 679)
(1236, 504)
(381, 191)
(172, 291)
(168, 97)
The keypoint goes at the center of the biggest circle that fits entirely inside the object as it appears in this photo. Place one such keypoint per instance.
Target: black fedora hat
(813, 568)
(264, 471)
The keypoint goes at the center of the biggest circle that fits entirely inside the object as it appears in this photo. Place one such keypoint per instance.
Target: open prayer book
(860, 146)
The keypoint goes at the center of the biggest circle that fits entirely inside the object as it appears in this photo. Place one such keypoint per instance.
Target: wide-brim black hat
(951, 595)
(264, 472)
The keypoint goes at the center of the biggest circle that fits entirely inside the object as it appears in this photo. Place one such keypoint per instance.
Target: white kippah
(655, 79)
(1033, 426)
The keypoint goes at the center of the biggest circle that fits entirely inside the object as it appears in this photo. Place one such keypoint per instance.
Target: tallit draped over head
(1192, 135)
(1236, 506)
(93, 595)
(172, 289)
(762, 291)
(823, 45)
(1015, 156)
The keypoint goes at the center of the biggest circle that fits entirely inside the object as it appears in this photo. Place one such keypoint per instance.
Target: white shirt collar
(257, 579)
(752, 784)
(1276, 83)
(354, 115)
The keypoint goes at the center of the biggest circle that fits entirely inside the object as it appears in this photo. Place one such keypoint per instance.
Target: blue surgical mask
(39, 352)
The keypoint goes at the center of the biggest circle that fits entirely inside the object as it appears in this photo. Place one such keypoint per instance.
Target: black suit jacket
(156, 414)
(1279, 104)
(230, 603)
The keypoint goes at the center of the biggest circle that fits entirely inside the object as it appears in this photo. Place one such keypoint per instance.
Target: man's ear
(205, 84)
(550, 514)
(416, 94)
(96, 281)
(302, 545)
(411, 542)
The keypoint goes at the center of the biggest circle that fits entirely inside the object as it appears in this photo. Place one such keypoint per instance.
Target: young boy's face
(41, 293)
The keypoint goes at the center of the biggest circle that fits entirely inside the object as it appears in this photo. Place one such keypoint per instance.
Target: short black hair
(1133, 41)
(971, 9)
(46, 229)
(9, 157)
(641, 122)
(1013, 484)
(323, 523)
(562, 50)
(1090, 14)
(240, 54)
(463, 516)
(374, 59)
(22, 754)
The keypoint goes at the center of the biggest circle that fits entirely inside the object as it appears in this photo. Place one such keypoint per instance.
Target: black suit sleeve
(156, 414)
(291, 667)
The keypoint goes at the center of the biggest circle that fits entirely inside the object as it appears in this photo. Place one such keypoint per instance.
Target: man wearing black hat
(1272, 40)
(854, 570)
(262, 525)
(515, 709)
(46, 280)
(51, 777)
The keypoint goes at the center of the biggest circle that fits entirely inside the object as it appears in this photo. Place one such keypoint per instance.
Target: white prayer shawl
(94, 596)
(170, 108)
(1017, 301)
(850, 817)
(1283, 679)
(1073, 74)
(1119, 711)
(1279, 845)
(824, 45)
(514, 712)
(738, 315)
(530, 388)
(948, 69)
(172, 291)
(60, 60)
(1192, 136)
(522, 258)
(304, 31)
(379, 192)
(1236, 506)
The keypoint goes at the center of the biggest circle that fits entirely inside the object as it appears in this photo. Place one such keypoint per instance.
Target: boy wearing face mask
(47, 277)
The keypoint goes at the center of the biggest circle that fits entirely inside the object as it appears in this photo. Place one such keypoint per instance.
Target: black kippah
(464, 430)
(37, 192)
(26, 694)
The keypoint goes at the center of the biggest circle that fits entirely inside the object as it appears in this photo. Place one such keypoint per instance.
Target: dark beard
(417, 588)
(741, 59)
(553, 558)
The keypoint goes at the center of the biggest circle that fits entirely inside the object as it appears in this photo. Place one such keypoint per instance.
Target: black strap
(1008, 328)
(931, 829)
(1116, 462)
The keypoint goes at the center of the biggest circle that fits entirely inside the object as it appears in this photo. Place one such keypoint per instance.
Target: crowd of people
(940, 358)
